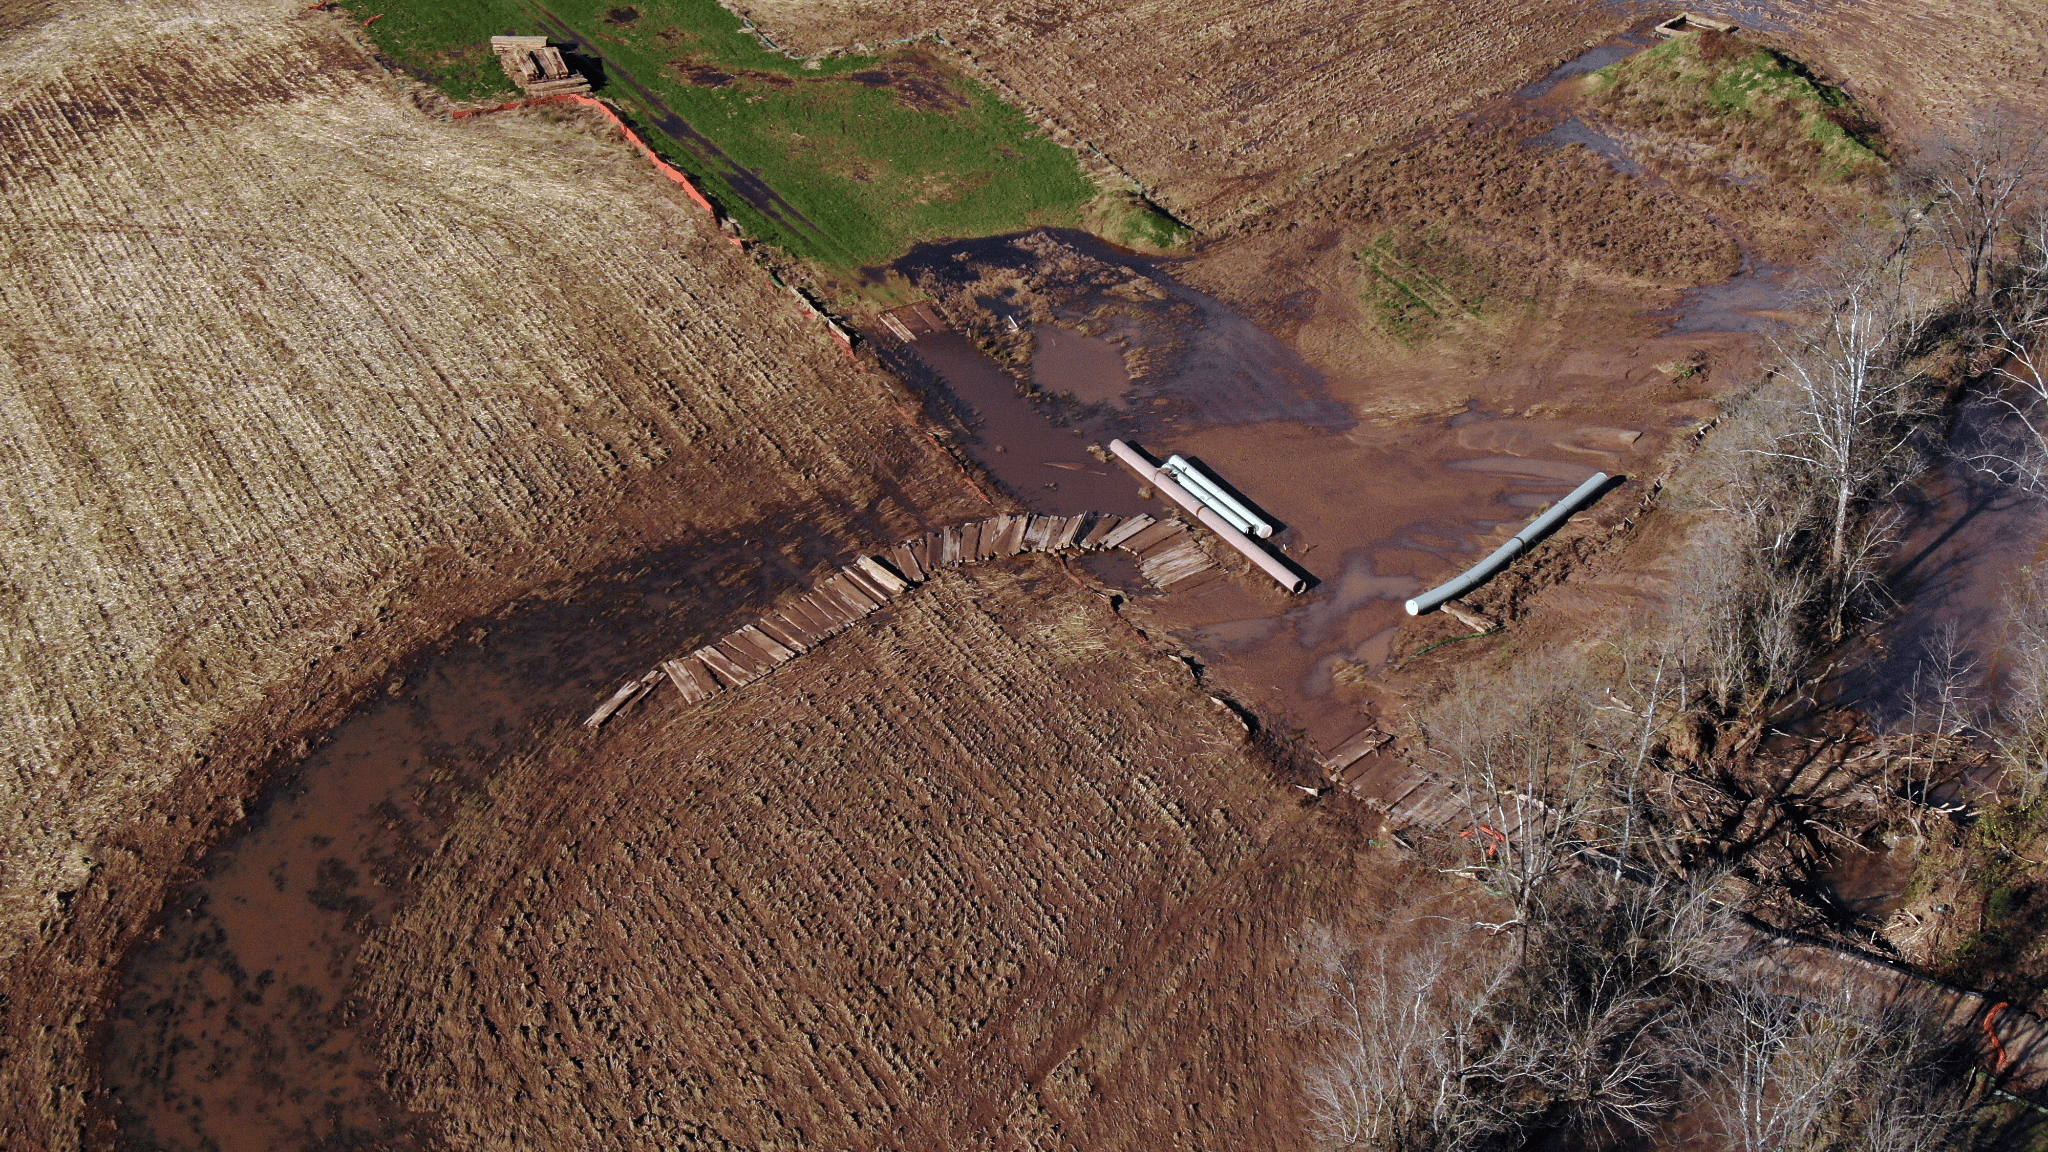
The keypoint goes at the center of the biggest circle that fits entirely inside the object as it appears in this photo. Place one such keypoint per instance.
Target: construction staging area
(499, 655)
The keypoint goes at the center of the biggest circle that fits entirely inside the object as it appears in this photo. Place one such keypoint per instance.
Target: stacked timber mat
(1168, 556)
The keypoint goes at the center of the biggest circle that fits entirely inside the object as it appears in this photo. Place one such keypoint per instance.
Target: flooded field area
(1374, 511)
(236, 1031)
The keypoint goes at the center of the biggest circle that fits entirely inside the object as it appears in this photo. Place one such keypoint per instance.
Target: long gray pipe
(1483, 571)
(1207, 516)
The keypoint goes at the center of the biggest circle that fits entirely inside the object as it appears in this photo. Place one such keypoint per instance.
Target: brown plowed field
(981, 873)
(293, 378)
(1217, 107)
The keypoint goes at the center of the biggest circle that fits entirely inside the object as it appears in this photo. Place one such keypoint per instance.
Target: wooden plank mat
(691, 678)
(1139, 543)
(1103, 526)
(1353, 748)
(770, 647)
(1013, 536)
(751, 663)
(849, 596)
(1071, 531)
(776, 624)
(879, 574)
(904, 557)
(866, 584)
(1126, 530)
(1171, 565)
(728, 672)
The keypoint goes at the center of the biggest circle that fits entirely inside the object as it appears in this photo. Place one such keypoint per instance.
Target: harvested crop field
(294, 379)
(983, 872)
(1220, 107)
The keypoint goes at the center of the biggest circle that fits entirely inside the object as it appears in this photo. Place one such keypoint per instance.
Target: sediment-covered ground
(292, 379)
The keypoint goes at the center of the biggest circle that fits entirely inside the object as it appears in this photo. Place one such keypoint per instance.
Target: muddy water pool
(235, 1032)
(1374, 514)
(1972, 533)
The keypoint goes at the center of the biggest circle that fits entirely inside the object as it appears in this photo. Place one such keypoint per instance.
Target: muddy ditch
(236, 1029)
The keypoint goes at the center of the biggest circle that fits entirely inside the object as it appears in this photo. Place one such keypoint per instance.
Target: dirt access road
(294, 379)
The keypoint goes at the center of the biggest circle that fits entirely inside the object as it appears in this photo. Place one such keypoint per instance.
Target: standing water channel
(235, 1031)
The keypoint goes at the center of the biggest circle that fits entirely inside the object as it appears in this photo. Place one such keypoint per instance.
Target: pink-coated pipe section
(1206, 517)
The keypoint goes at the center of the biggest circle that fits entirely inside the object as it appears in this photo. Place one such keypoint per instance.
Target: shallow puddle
(1592, 60)
(1038, 449)
(1577, 131)
(1087, 368)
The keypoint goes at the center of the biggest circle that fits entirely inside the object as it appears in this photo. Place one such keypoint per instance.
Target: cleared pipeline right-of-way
(1483, 571)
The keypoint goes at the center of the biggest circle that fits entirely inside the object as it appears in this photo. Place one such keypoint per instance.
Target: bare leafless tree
(2021, 733)
(1529, 756)
(1781, 1072)
(1468, 1039)
(1854, 406)
(2016, 348)
(1978, 177)
(1412, 1053)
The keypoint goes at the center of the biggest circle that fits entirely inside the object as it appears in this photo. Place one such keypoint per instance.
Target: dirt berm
(293, 379)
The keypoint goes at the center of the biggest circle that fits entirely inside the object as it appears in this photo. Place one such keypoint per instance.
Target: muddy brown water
(1971, 534)
(235, 1031)
(1403, 507)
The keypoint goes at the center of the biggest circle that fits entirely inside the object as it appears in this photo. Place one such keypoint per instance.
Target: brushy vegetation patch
(1424, 283)
(1744, 99)
(865, 156)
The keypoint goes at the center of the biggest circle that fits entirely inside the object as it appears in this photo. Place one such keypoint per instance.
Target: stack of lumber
(1167, 553)
(538, 69)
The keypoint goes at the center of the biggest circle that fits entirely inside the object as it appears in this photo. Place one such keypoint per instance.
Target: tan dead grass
(1927, 68)
(948, 882)
(292, 379)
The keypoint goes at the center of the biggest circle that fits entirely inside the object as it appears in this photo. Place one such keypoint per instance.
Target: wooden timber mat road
(1829, 977)
(1168, 555)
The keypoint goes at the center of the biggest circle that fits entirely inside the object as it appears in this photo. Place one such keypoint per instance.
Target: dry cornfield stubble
(293, 378)
(952, 881)
(1219, 107)
(1926, 65)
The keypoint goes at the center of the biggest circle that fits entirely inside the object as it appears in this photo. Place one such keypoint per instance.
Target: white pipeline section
(1483, 571)
(1202, 487)
(1207, 516)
